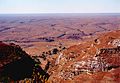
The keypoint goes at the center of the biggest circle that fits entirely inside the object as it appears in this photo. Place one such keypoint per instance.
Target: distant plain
(42, 32)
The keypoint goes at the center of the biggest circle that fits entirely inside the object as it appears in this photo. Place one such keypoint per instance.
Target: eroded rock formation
(91, 62)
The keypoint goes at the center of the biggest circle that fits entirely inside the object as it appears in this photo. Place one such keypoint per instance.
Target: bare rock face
(116, 42)
(99, 63)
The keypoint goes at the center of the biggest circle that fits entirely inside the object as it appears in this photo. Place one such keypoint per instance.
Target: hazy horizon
(58, 6)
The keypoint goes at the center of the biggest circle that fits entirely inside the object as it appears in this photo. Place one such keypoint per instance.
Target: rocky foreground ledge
(96, 61)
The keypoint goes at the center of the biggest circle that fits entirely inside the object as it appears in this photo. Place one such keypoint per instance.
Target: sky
(59, 6)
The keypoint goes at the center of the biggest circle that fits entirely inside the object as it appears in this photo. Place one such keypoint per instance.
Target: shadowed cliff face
(90, 62)
(16, 64)
(19, 69)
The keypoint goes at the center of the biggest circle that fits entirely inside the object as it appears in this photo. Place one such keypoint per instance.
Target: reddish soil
(87, 64)
(38, 33)
(91, 53)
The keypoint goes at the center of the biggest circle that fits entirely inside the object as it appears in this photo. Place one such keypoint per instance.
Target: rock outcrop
(95, 61)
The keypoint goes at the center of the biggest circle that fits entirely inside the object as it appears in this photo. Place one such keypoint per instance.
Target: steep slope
(16, 65)
(96, 61)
